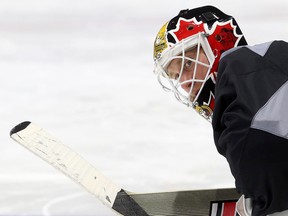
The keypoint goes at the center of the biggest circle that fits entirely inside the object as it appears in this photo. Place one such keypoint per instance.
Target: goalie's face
(190, 73)
(185, 70)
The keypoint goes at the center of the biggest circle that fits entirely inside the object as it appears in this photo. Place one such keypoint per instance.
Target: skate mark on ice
(50, 204)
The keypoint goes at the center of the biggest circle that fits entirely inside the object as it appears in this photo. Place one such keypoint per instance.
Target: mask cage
(175, 84)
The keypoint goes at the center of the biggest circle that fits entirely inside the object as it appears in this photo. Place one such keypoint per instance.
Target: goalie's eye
(188, 64)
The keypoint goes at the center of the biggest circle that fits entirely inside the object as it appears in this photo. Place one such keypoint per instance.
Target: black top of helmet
(207, 14)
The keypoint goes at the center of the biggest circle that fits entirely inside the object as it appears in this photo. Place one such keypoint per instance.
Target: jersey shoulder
(247, 59)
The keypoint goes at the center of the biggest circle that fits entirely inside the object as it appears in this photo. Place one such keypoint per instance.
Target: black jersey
(250, 122)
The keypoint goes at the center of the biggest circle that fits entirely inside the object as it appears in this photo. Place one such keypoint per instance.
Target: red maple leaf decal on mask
(186, 28)
(223, 37)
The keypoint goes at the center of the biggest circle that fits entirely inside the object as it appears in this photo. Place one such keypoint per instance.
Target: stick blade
(55, 153)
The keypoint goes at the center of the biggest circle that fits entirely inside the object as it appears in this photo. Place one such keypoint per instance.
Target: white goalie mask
(187, 51)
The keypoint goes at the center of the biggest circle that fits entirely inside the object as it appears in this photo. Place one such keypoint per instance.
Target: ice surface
(83, 70)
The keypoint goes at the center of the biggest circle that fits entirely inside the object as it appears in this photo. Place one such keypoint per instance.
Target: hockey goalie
(202, 57)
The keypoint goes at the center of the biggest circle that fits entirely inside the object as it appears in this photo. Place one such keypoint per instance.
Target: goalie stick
(195, 202)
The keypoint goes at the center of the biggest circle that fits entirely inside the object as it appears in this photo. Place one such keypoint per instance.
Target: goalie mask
(187, 50)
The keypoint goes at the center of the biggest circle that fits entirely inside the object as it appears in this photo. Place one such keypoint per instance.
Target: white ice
(83, 70)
